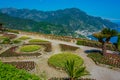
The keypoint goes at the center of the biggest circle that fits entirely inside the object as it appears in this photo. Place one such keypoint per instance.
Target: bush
(58, 60)
(8, 72)
(37, 41)
(30, 48)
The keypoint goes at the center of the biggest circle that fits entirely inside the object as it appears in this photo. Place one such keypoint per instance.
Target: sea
(112, 40)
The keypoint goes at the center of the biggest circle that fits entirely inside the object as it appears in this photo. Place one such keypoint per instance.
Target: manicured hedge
(58, 60)
(8, 72)
(94, 44)
(65, 47)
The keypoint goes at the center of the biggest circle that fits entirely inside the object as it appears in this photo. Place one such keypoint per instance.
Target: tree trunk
(72, 78)
(104, 50)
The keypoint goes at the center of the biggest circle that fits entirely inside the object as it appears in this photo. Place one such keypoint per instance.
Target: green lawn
(24, 38)
(30, 48)
(37, 41)
(58, 60)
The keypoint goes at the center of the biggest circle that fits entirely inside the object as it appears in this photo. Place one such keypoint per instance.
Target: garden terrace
(65, 47)
(58, 60)
(113, 60)
(12, 53)
(26, 65)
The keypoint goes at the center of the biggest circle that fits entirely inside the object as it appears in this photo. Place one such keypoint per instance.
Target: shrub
(8, 72)
(58, 60)
(30, 48)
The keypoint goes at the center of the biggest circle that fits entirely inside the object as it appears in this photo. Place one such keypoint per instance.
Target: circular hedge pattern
(30, 48)
(58, 60)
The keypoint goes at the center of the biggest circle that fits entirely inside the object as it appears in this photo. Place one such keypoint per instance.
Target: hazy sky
(104, 8)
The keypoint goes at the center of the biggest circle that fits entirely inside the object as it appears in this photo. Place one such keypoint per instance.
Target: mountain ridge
(73, 19)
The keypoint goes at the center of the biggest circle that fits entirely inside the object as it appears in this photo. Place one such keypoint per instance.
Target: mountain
(30, 25)
(72, 19)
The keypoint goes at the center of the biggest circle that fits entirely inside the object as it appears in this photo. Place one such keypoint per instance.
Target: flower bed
(58, 60)
(26, 65)
(68, 47)
(29, 48)
(10, 36)
(109, 59)
(11, 53)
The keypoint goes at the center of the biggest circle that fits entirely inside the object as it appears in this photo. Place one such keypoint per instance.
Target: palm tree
(118, 42)
(73, 71)
(104, 37)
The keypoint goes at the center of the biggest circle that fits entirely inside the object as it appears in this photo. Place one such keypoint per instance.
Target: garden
(113, 60)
